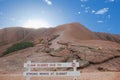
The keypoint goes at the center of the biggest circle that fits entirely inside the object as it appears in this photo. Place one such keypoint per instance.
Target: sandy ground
(83, 76)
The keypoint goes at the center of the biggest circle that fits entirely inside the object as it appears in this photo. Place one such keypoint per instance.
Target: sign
(53, 73)
(48, 65)
(30, 73)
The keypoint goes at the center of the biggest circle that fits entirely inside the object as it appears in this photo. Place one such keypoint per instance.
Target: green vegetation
(18, 46)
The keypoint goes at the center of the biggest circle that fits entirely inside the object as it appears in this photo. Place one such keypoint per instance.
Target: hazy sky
(96, 15)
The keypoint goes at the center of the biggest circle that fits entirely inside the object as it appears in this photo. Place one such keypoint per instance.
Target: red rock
(86, 46)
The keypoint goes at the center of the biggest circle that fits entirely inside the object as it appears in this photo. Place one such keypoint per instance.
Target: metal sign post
(74, 68)
(28, 69)
(30, 73)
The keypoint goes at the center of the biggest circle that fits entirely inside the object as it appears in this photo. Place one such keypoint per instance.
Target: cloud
(49, 2)
(110, 1)
(87, 8)
(79, 12)
(100, 21)
(82, 5)
(83, 0)
(102, 11)
(109, 16)
(93, 11)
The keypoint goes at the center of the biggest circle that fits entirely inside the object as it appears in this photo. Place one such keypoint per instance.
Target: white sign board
(30, 73)
(48, 65)
(53, 73)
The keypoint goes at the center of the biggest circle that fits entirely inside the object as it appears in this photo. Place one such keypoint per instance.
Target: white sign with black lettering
(29, 73)
(53, 73)
(48, 65)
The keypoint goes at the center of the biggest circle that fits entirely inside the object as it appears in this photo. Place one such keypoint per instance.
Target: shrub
(18, 46)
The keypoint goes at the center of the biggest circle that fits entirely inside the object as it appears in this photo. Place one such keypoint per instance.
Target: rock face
(15, 34)
(75, 32)
(11, 35)
(109, 37)
(94, 51)
(72, 32)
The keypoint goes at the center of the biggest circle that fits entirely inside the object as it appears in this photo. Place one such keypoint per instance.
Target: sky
(96, 15)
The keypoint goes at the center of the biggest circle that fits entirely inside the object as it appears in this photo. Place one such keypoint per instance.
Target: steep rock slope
(73, 32)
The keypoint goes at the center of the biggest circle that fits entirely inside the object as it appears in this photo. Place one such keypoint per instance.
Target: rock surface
(61, 44)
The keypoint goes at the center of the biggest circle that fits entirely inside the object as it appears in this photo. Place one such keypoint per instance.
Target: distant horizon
(54, 27)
